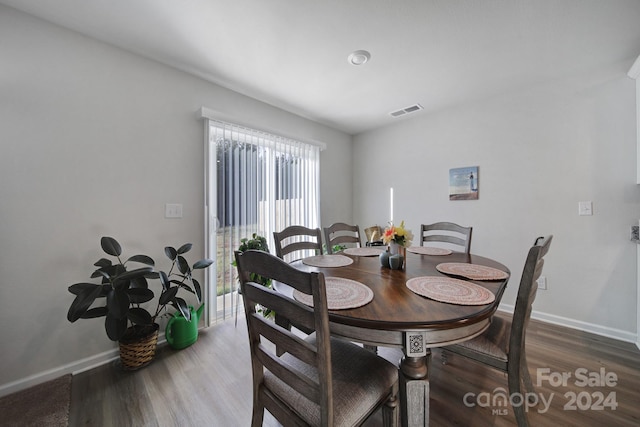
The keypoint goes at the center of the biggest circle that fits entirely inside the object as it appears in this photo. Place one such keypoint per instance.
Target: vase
(384, 259)
(394, 248)
(397, 251)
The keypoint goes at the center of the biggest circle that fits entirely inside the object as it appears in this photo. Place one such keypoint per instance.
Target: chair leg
(444, 356)
(237, 304)
(391, 411)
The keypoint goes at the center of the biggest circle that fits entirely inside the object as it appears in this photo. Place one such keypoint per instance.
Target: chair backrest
(297, 238)
(316, 385)
(340, 233)
(527, 294)
(447, 232)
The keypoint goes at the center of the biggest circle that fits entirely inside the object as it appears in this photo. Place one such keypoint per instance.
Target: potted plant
(259, 243)
(122, 291)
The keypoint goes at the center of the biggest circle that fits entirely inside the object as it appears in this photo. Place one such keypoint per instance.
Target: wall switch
(585, 208)
(542, 282)
(173, 210)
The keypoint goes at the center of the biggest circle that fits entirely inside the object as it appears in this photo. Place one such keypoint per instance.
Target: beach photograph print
(463, 183)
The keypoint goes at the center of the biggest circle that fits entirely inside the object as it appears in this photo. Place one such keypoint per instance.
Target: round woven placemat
(426, 250)
(327, 261)
(449, 290)
(363, 251)
(471, 271)
(341, 294)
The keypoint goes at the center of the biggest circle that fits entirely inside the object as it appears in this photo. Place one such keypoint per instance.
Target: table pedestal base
(414, 390)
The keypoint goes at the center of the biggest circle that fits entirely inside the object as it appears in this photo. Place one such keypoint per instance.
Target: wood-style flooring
(209, 384)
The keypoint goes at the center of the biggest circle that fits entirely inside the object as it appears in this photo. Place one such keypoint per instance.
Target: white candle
(391, 204)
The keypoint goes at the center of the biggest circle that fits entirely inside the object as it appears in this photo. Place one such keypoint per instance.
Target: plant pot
(138, 351)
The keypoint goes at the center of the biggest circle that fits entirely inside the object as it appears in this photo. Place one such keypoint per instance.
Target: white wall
(540, 151)
(94, 141)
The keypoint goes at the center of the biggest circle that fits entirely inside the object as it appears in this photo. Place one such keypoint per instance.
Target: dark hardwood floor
(209, 384)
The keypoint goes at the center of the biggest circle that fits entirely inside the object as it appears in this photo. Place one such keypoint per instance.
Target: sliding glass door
(257, 183)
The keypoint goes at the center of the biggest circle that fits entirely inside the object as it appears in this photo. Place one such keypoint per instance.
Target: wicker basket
(135, 354)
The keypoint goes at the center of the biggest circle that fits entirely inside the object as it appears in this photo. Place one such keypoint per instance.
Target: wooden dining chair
(311, 380)
(447, 232)
(340, 233)
(502, 345)
(297, 238)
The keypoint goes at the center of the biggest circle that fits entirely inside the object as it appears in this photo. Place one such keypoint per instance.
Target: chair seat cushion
(494, 342)
(361, 380)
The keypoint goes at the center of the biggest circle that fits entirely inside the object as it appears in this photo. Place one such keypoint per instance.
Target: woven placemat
(363, 251)
(341, 294)
(327, 261)
(449, 290)
(471, 271)
(426, 250)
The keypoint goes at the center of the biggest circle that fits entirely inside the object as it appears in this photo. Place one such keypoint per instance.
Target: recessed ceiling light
(359, 57)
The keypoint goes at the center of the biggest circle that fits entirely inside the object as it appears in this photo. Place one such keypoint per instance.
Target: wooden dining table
(398, 317)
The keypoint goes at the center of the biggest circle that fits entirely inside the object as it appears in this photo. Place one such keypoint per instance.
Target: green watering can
(180, 332)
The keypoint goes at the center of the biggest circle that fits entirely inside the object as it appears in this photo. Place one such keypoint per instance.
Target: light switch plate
(585, 208)
(173, 210)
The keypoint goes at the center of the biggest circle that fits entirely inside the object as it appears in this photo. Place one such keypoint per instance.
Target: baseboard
(74, 368)
(604, 331)
(88, 363)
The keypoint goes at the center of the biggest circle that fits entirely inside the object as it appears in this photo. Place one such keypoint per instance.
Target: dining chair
(340, 233)
(502, 345)
(297, 238)
(446, 232)
(315, 379)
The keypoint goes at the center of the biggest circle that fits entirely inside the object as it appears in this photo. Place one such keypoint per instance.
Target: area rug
(45, 404)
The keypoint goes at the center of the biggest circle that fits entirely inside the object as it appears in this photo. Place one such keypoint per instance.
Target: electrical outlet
(542, 282)
(585, 208)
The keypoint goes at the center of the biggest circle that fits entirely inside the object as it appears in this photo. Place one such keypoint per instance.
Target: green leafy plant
(123, 290)
(259, 243)
(334, 248)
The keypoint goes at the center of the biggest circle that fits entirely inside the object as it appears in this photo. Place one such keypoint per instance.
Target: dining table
(430, 301)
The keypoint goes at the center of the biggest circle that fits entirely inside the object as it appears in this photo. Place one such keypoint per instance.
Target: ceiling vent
(406, 110)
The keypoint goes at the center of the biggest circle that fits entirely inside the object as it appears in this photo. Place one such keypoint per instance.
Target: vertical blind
(256, 183)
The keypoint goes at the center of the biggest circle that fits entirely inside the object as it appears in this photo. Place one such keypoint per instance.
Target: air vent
(406, 110)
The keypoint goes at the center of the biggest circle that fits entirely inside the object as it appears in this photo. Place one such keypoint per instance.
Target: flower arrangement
(397, 234)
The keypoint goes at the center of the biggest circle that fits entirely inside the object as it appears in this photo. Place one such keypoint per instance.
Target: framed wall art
(463, 183)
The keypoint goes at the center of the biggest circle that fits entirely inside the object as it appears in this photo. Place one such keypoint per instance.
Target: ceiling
(293, 53)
